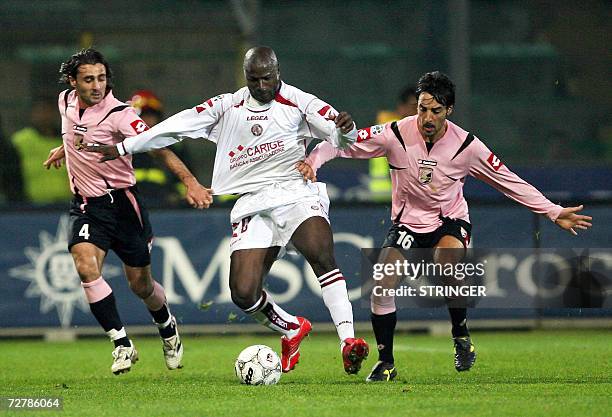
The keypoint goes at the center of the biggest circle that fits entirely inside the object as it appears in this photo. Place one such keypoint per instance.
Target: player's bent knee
(87, 270)
(448, 256)
(140, 280)
(449, 250)
(141, 287)
(243, 302)
(243, 297)
(87, 261)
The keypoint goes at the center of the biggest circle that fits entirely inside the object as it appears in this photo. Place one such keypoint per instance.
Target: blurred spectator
(406, 106)
(32, 145)
(380, 181)
(159, 187)
(11, 182)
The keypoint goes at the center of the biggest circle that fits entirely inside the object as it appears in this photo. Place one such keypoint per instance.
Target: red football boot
(291, 347)
(354, 352)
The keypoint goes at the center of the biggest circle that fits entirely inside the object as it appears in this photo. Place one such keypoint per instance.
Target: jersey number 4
(84, 232)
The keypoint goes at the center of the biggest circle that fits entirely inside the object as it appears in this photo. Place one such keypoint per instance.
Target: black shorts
(400, 236)
(116, 221)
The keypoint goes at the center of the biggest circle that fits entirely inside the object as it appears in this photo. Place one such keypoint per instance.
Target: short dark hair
(439, 86)
(406, 93)
(90, 56)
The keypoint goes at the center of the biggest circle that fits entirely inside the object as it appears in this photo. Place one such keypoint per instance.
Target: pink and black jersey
(429, 184)
(107, 123)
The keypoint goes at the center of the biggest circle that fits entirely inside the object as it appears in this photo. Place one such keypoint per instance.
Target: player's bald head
(261, 73)
(259, 57)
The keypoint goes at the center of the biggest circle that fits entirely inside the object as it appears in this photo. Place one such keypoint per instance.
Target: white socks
(335, 297)
(266, 312)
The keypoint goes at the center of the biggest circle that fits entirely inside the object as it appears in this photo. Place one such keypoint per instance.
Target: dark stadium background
(533, 82)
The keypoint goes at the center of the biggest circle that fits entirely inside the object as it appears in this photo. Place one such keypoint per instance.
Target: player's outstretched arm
(486, 166)
(324, 122)
(56, 158)
(371, 143)
(569, 220)
(196, 194)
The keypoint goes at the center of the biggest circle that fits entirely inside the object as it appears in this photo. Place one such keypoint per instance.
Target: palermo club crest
(425, 175)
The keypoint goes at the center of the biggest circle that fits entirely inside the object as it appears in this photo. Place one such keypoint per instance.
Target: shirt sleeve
(319, 116)
(61, 104)
(371, 143)
(130, 124)
(486, 166)
(192, 123)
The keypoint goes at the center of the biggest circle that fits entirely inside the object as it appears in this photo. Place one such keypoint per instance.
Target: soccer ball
(258, 365)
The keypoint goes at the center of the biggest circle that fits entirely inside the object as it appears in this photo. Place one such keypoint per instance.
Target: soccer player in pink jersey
(261, 131)
(107, 212)
(430, 157)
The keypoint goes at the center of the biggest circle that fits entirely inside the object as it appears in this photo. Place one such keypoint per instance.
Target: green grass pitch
(537, 373)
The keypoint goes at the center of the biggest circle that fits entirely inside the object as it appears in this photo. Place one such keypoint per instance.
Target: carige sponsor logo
(255, 153)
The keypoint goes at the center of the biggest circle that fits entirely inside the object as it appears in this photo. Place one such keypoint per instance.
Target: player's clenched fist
(306, 171)
(344, 121)
(197, 195)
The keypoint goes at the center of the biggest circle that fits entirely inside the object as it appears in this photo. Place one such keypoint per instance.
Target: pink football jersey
(429, 184)
(107, 123)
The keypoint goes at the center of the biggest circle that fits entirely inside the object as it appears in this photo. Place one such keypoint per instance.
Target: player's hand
(109, 152)
(197, 195)
(344, 122)
(56, 158)
(569, 220)
(306, 171)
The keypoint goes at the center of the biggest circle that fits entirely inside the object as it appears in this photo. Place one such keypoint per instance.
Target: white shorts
(270, 216)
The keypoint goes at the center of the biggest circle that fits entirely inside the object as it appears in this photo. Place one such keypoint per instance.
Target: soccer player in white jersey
(430, 157)
(261, 132)
(107, 212)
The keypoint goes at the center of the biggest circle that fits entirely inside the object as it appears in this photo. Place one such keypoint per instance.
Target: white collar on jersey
(253, 104)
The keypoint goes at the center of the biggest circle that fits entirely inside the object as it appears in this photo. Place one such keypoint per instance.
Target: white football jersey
(257, 144)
